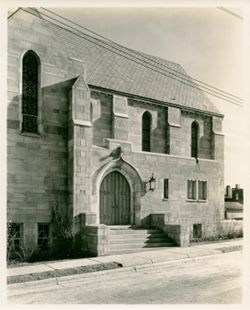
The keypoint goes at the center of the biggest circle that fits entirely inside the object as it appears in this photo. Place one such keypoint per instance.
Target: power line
(230, 12)
(90, 39)
(182, 75)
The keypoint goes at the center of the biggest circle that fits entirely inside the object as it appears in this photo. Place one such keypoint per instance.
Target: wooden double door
(114, 200)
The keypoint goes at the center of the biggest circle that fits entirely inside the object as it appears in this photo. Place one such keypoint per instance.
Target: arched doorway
(114, 200)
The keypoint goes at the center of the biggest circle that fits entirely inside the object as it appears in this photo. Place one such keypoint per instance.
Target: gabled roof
(113, 69)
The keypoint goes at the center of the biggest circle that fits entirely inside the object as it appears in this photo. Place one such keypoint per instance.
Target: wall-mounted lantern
(152, 183)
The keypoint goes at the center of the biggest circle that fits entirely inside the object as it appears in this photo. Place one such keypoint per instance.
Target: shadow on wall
(38, 165)
(205, 143)
(54, 102)
(102, 126)
(159, 135)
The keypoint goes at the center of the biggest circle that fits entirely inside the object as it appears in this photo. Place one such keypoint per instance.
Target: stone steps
(127, 240)
(137, 239)
(135, 232)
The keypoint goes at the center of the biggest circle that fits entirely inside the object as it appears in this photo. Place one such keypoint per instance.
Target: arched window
(30, 89)
(194, 139)
(146, 131)
(91, 112)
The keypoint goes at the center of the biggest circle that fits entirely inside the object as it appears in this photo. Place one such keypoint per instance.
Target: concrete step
(134, 231)
(137, 239)
(133, 236)
(127, 246)
(124, 239)
(120, 227)
(135, 250)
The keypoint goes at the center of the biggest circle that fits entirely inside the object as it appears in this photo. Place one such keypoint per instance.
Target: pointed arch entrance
(134, 182)
(115, 200)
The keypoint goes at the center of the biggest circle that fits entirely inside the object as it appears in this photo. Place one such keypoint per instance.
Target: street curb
(60, 281)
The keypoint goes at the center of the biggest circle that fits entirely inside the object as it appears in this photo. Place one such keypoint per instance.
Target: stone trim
(196, 200)
(122, 115)
(218, 133)
(110, 140)
(155, 101)
(77, 59)
(176, 156)
(83, 123)
(174, 125)
(30, 134)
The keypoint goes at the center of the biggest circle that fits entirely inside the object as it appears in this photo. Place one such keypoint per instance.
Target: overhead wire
(182, 75)
(141, 62)
(216, 94)
(230, 12)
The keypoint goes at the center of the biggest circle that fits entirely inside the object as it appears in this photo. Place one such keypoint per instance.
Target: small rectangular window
(43, 236)
(202, 190)
(197, 231)
(14, 237)
(191, 189)
(165, 189)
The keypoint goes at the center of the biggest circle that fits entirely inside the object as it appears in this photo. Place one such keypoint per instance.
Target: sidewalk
(163, 255)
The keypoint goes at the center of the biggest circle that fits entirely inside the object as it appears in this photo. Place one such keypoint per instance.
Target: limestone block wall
(37, 164)
(174, 123)
(120, 128)
(79, 150)
(158, 126)
(177, 208)
(178, 170)
(102, 112)
(121, 118)
(205, 134)
(172, 127)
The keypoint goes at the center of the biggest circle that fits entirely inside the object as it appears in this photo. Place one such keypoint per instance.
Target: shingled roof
(113, 69)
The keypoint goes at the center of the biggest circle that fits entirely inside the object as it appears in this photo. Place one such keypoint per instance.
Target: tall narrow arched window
(146, 132)
(194, 139)
(91, 112)
(30, 89)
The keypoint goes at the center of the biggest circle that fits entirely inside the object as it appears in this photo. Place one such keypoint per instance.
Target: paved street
(214, 279)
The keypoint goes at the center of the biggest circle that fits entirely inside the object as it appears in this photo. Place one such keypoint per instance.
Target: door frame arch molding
(134, 181)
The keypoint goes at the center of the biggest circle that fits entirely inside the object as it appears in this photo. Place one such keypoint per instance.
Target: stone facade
(86, 131)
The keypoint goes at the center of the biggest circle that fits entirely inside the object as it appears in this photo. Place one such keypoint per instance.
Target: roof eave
(155, 101)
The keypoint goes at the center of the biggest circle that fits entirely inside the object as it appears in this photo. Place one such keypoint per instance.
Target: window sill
(30, 134)
(196, 200)
(164, 199)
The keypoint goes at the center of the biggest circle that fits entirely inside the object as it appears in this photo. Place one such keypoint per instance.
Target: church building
(110, 138)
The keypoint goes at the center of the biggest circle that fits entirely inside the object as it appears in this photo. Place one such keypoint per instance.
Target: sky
(207, 42)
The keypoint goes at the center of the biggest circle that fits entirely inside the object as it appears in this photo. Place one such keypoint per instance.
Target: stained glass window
(146, 132)
(30, 92)
(194, 139)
